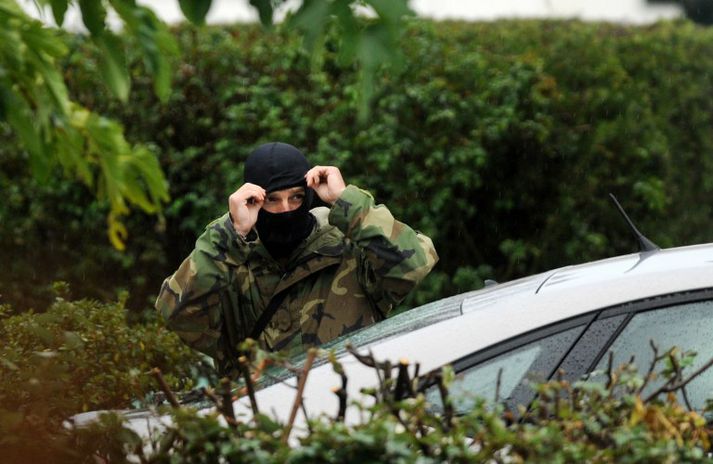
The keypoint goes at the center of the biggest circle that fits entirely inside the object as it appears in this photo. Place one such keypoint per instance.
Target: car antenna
(644, 243)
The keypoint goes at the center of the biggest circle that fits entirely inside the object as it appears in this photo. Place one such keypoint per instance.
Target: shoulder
(325, 235)
(321, 214)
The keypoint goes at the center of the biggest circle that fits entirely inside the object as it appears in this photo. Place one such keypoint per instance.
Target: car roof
(503, 311)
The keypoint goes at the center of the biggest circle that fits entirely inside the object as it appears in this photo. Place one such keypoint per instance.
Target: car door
(580, 345)
(683, 320)
(507, 370)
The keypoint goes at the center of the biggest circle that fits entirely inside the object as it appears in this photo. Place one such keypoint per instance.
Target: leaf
(20, 118)
(117, 232)
(156, 43)
(265, 10)
(93, 15)
(113, 65)
(10, 8)
(311, 19)
(59, 9)
(638, 412)
(391, 10)
(72, 340)
(69, 148)
(349, 31)
(195, 10)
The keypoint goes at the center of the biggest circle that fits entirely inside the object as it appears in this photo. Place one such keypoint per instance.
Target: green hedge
(78, 356)
(568, 422)
(500, 140)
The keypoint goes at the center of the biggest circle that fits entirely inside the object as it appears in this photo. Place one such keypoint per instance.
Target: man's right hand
(244, 205)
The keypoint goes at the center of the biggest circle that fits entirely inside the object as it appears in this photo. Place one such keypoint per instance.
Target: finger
(252, 191)
(320, 174)
(312, 177)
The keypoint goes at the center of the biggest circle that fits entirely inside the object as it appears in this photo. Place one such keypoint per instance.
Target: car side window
(687, 326)
(533, 362)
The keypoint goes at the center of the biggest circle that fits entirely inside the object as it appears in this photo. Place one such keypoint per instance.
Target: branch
(447, 404)
(668, 389)
(652, 366)
(227, 407)
(300, 389)
(210, 394)
(342, 395)
(243, 364)
(610, 371)
(403, 388)
(156, 372)
(497, 385)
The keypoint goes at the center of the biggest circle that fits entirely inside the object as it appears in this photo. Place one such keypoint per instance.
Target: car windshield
(401, 323)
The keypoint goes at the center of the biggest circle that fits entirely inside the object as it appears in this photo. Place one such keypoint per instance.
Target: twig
(683, 383)
(304, 412)
(342, 395)
(497, 385)
(652, 366)
(685, 398)
(300, 389)
(367, 360)
(610, 370)
(227, 406)
(156, 372)
(447, 404)
(243, 363)
(210, 394)
(403, 387)
(560, 375)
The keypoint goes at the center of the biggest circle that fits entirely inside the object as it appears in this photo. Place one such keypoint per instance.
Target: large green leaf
(21, 119)
(59, 9)
(113, 65)
(349, 26)
(391, 10)
(265, 10)
(195, 10)
(311, 19)
(155, 41)
(10, 7)
(93, 15)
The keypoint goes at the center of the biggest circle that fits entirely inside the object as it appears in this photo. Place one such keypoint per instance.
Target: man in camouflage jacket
(351, 266)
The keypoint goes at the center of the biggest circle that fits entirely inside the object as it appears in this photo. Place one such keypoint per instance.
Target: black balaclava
(277, 166)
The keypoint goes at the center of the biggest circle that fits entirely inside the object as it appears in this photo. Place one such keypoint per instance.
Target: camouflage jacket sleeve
(190, 299)
(392, 257)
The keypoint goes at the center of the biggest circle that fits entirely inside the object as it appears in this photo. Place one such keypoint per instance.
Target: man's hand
(326, 181)
(244, 204)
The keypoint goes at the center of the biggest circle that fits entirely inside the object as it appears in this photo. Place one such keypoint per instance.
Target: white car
(568, 318)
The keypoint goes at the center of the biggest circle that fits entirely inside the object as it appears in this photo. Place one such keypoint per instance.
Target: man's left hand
(327, 182)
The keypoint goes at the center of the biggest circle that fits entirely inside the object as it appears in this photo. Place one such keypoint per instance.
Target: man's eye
(298, 197)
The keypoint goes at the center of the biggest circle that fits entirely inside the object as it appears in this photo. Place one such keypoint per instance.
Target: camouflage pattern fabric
(356, 265)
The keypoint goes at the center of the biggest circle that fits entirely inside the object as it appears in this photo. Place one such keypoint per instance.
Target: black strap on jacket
(269, 312)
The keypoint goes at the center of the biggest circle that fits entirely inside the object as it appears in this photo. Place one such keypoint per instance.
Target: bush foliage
(579, 422)
(78, 356)
(500, 140)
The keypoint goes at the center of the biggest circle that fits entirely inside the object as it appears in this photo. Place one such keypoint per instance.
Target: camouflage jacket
(353, 268)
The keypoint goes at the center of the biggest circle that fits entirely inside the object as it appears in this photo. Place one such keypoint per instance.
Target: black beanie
(276, 166)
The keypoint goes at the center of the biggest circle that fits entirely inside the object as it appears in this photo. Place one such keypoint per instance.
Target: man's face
(282, 201)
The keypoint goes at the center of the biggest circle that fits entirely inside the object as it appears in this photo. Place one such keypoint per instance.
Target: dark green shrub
(78, 356)
(580, 422)
(500, 140)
